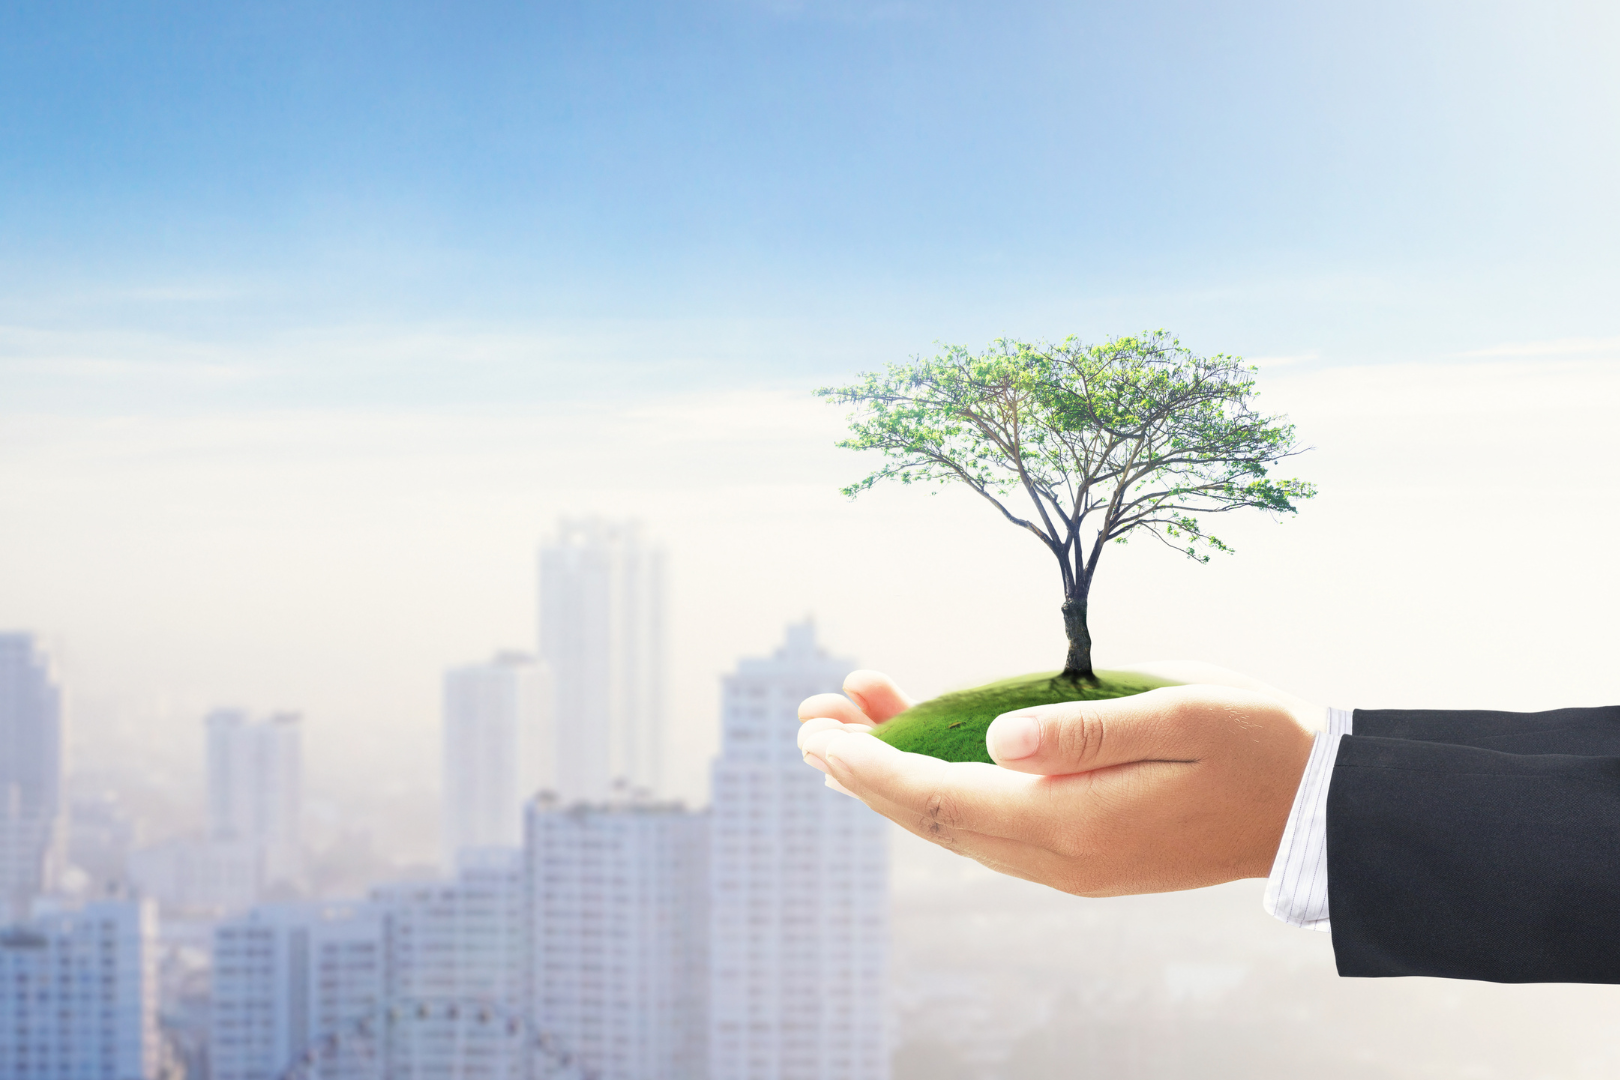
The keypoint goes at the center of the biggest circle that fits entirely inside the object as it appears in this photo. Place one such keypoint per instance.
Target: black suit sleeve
(1465, 862)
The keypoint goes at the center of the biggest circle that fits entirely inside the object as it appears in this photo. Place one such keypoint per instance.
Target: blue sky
(728, 190)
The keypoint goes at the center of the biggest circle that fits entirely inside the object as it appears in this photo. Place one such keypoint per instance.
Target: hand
(1176, 788)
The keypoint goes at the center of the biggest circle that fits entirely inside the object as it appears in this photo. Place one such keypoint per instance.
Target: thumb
(1079, 736)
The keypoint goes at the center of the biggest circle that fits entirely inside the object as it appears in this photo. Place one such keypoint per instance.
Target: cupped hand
(1175, 788)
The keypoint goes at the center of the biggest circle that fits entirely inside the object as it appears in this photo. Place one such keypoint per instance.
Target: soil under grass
(952, 726)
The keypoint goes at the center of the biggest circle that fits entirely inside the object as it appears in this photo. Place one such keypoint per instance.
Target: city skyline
(588, 938)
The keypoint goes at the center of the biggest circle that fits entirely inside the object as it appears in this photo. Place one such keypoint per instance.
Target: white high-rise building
(799, 896)
(298, 989)
(32, 819)
(455, 962)
(602, 637)
(255, 790)
(617, 913)
(496, 751)
(79, 994)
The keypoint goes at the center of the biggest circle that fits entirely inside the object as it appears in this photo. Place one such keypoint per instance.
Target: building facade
(496, 752)
(255, 790)
(799, 890)
(299, 991)
(32, 819)
(454, 969)
(79, 994)
(602, 636)
(616, 911)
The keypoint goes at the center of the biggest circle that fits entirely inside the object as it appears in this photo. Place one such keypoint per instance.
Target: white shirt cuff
(1297, 890)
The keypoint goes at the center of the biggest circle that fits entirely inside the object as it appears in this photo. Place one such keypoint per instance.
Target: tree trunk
(1078, 666)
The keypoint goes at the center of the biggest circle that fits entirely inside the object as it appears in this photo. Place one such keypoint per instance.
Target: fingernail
(1013, 736)
(814, 760)
(840, 788)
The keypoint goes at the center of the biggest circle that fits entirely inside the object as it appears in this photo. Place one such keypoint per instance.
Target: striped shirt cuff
(1297, 890)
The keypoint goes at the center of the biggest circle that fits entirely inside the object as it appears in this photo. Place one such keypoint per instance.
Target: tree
(1138, 435)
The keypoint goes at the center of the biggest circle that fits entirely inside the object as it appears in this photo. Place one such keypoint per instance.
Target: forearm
(1461, 862)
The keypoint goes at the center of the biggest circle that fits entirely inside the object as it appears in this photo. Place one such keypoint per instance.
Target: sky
(314, 317)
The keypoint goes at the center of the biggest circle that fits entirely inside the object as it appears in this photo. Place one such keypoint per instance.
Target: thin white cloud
(1573, 346)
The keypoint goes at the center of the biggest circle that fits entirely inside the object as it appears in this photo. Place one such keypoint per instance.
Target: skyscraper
(299, 984)
(496, 751)
(602, 638)
(32, 827)
(617, 918)
(79, 994)
(799, 890)
(255, 790)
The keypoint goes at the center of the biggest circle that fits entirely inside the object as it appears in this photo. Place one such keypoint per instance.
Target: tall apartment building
(496, 751)
(799, 890)
(299, 990)
(79, 994)
(602, 636)
(454, 963)
(617, 916)
(32, 818)
(255, 790)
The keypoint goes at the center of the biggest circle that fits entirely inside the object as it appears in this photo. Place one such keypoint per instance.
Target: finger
(876, 694)
(820, 723)
(939, 794)
(1078, 736)
(817, 726)
(1032, 862)
(1309, 714)
(832, 706)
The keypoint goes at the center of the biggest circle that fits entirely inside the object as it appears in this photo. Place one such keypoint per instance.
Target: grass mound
(952, 726)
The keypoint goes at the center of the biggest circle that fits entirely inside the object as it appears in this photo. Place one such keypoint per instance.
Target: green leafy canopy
(1136, 434)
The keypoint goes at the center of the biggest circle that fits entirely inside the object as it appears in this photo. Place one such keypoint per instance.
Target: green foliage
(1137, 434)
(952, 726)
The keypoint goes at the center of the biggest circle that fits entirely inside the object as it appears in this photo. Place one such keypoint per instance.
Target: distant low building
(198, 877)
(79, 994)
(101, 835)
